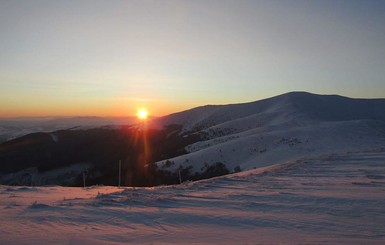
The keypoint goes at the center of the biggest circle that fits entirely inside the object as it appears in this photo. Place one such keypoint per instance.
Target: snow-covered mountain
(279, 129)
(299, 107)
(199, 143)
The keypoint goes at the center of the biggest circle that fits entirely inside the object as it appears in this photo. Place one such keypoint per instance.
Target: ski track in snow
(336, 199)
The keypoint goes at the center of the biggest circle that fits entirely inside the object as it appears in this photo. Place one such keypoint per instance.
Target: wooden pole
(120, 171)
(180, 178)
(84, 179)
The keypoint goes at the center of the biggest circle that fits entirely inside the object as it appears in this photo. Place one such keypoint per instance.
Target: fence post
(120, 171)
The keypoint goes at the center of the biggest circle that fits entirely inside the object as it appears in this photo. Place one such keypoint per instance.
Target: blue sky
(109, 57)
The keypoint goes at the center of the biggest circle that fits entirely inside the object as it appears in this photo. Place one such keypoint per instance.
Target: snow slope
(334, 199)
(279, 129)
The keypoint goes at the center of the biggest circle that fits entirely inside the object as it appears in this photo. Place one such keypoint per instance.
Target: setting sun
(142, 113)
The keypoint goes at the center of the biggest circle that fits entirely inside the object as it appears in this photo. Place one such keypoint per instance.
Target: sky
(107, 58)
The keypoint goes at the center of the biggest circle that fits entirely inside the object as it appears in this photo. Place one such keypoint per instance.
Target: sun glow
(142, 113)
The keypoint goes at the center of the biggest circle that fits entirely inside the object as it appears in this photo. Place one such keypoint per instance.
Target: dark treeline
(101, 150)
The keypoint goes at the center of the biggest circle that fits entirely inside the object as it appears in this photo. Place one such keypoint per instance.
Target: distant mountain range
(201, 142)
(12, 128)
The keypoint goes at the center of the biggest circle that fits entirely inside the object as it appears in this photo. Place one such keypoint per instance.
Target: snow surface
(333, 199)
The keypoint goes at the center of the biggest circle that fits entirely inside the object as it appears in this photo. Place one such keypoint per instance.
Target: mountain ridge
(304, 105)
(237, 137)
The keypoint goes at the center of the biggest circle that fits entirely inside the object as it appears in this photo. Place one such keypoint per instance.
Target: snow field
(334, 199)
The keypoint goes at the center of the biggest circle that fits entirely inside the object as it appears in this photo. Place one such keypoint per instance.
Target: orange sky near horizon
(55, 109)
(116, 109)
